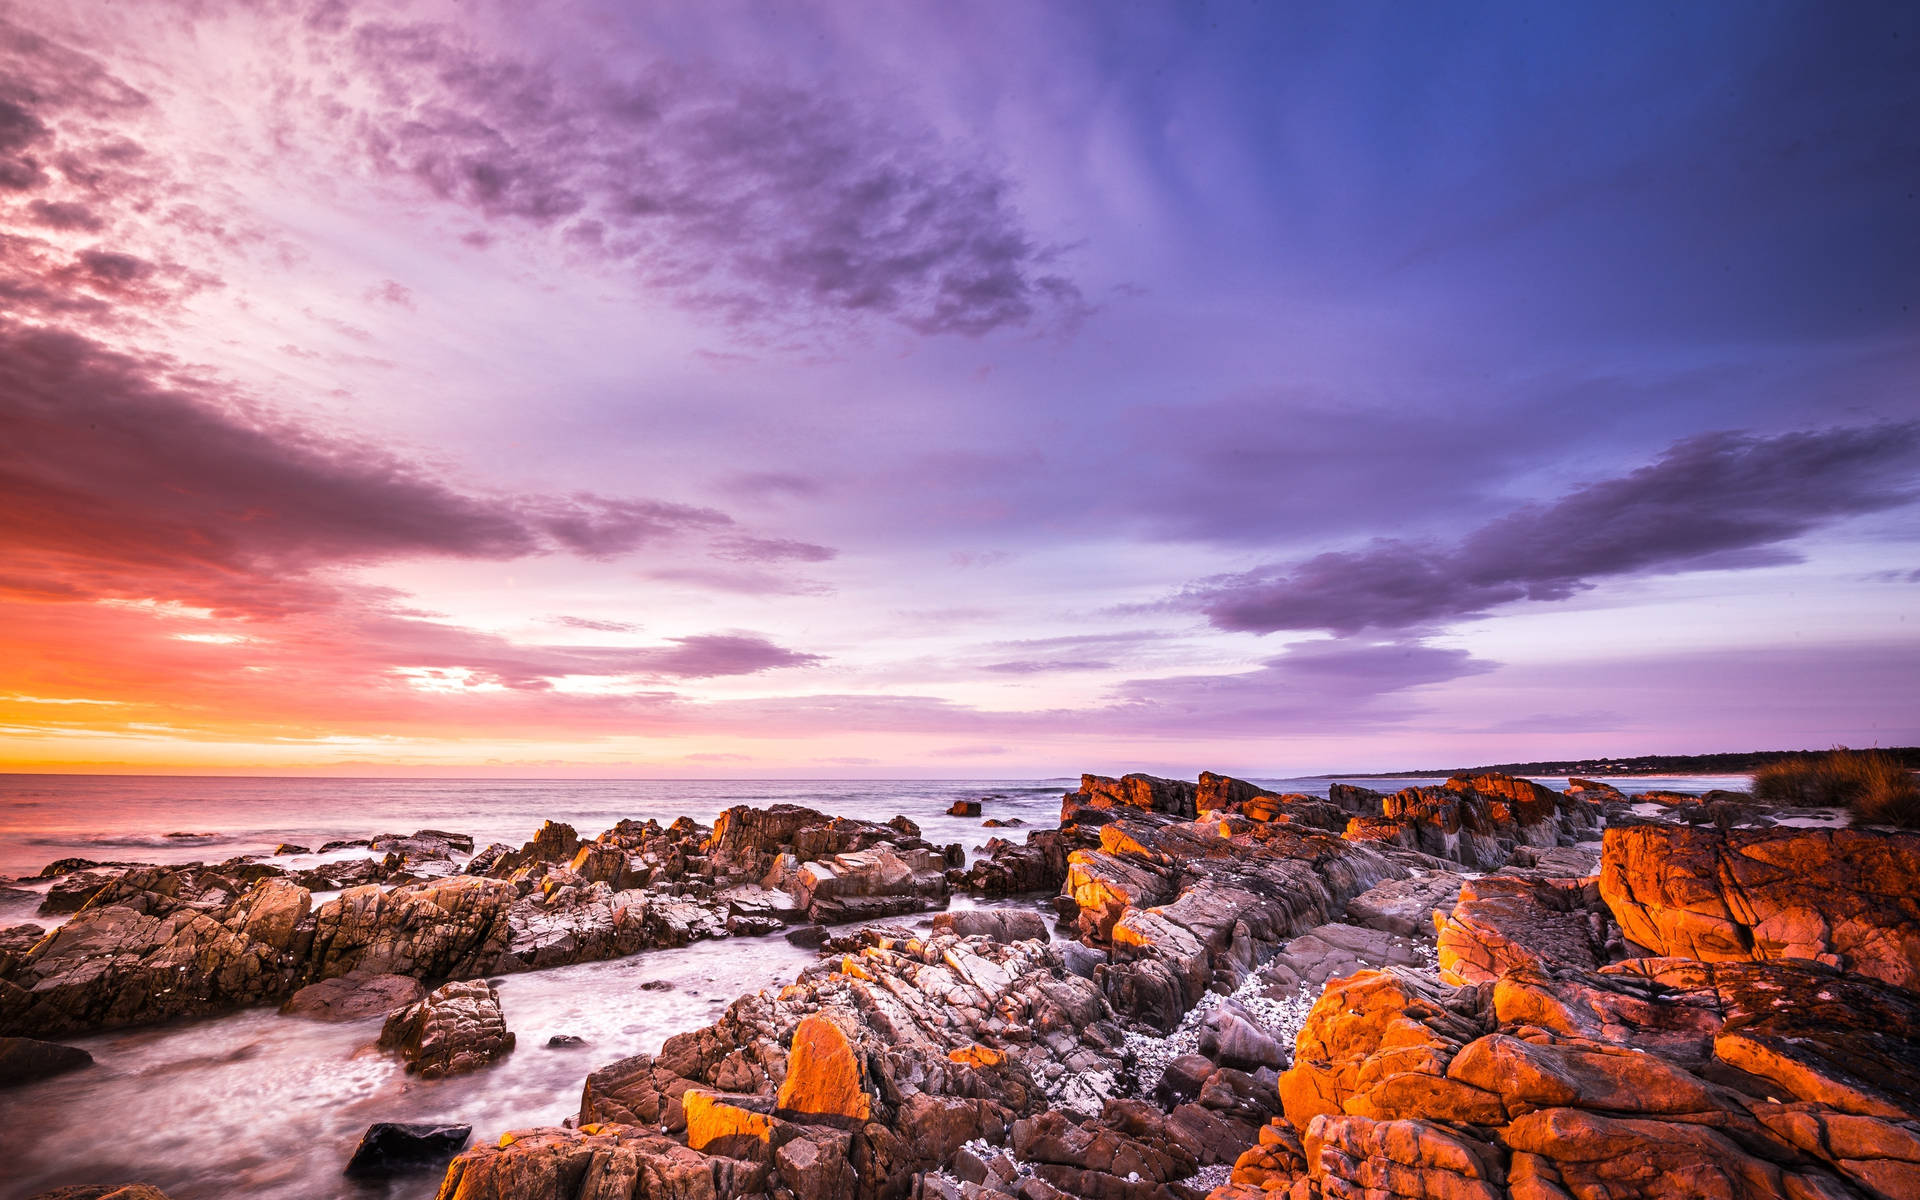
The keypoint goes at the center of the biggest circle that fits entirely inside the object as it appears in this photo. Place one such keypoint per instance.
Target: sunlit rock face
(1843, 897)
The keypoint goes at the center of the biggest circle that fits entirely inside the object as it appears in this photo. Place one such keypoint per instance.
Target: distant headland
(1644, 764)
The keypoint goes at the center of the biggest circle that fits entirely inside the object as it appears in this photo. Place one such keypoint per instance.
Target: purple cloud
(766, 202)
(1715, 501)
(742, 548)
(117, 482)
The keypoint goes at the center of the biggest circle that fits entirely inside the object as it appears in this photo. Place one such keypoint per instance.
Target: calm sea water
(264, 1107)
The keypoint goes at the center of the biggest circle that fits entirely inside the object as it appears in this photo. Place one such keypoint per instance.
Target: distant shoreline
(1645, 764)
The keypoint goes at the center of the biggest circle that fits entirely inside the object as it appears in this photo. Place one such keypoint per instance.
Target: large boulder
(458, 1027)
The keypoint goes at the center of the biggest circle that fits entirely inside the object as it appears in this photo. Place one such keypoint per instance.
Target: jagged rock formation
(1842, 897)
(151, 944)
(457, 1027)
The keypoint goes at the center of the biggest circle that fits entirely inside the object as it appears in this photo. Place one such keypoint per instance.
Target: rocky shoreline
(1479, 989)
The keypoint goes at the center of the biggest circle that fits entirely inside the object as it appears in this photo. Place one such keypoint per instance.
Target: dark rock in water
(103, 1191)
(458, 1027)
(657, 985)
(65, 866)
(352, 997)
(565, 1041)
(343, 844)
(964, 808)
(389, 1148)
(1000, 924)
(997, 823)
(808, 937)
(290, 848)
(24, 1060)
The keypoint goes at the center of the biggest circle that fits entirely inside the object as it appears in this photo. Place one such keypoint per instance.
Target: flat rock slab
(1406, 906)
(1331, 952)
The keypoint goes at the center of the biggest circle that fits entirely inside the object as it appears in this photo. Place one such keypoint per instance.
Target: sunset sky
(986, 389)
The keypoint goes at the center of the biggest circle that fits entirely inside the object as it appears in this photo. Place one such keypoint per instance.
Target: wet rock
(343, 844)
(25, 1060)
(1000, 924)
(115, 965)
(964, 808)
(566, 1041)
(289, 848)
(353, 997)
(1000, 823)
(1846, 898)
(389, 1148)
(869, 884)
(457, 1027)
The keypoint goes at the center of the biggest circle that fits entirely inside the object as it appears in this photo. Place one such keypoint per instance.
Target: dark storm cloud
(1714, 501)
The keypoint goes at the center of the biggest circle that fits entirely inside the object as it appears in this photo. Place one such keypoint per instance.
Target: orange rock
(977, 1056)
(824, 1075)
(717, 1127)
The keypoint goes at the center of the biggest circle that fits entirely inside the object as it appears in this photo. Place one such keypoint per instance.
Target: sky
(986, 390)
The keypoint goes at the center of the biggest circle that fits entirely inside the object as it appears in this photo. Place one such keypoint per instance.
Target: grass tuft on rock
(1873, 785)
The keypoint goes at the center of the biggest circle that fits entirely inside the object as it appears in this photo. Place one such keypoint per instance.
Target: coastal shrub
(1874, 785)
